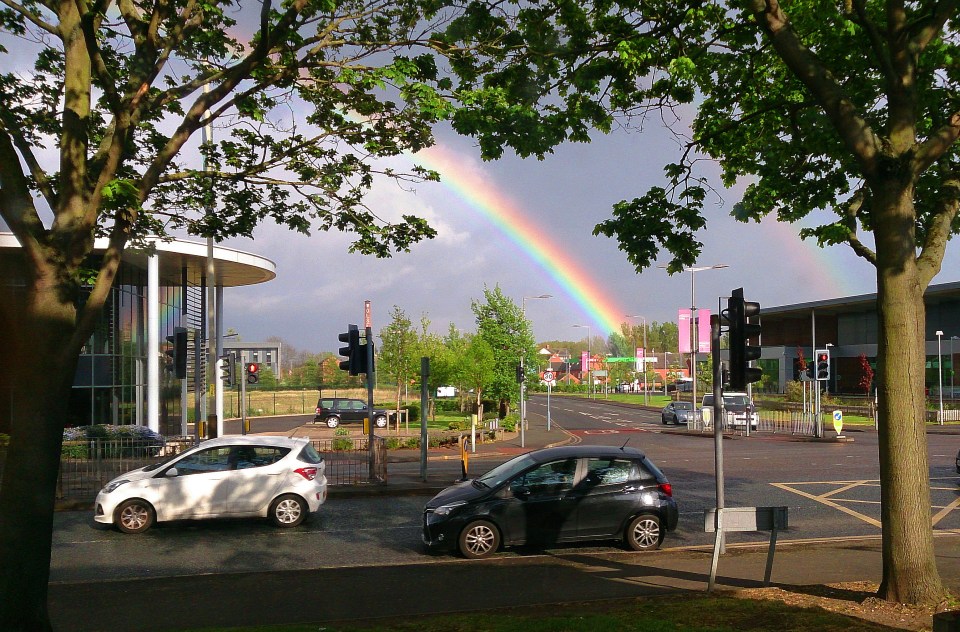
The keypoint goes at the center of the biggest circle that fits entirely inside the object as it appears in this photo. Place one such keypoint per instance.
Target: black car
(333, 411)
(958, 461)
(554, 495)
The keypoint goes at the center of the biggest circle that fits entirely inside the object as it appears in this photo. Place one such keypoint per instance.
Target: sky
(527, 226)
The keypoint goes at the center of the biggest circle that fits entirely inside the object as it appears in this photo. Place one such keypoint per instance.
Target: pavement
(446, 584)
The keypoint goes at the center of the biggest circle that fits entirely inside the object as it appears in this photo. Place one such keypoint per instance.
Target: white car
(277, 477)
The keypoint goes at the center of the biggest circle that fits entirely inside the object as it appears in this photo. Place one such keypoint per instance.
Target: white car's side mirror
(172, 472)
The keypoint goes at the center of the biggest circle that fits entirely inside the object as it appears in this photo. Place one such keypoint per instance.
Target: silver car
(277, 477)
(677, 413)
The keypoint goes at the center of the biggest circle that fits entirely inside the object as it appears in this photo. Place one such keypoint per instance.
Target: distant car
(333, 411)
(677, 413)
(281, 478)
(958, 461)
(553, 495)
(739, 404)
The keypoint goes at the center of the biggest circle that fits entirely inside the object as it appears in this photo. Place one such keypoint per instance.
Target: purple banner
(640, 364)
(703, 330)
(683, 324)
(584, 363)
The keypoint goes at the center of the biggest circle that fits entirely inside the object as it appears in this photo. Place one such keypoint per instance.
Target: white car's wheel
(288, 511)
(134, 516)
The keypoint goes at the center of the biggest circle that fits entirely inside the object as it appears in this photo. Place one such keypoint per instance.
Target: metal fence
(86, 466)
(792, 422)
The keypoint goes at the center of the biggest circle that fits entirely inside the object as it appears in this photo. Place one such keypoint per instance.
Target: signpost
(838, 422)
(549, 378)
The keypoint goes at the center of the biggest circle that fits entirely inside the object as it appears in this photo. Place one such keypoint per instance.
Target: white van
(739, 404)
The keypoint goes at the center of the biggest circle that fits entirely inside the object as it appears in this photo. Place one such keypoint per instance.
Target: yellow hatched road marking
(848, 485)
(829, 503)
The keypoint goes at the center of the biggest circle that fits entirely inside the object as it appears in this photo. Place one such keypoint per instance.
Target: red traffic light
(823, 357)
(252, 367)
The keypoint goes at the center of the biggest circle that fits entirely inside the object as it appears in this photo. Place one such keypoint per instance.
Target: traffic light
(178, 352)
(742, 330)
(355, 353)
(823, 365)
(226, 370)
(253, 373)
(519, 373)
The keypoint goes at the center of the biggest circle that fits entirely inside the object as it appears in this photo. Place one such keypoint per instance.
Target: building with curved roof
(127, 373)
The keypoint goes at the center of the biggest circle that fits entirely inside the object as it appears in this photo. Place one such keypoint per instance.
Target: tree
(501, 323)
(397, 352)
(479, 368)
(93, 137)
(845, 113)
(866, 374)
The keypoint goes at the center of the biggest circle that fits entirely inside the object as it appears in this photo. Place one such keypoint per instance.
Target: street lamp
(589, 372)
(523, 404)
(644, 320)
(940, 369)
(693, 321)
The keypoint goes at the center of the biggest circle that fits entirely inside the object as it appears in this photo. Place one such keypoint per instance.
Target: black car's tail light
(666, 488)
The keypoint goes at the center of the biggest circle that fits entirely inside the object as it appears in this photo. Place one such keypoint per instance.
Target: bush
(447, 405)
(112, 441)
(342, 440)
(509, 423)
(413, 413)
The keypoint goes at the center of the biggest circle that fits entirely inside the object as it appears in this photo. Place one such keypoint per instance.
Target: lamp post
(589, 372)
(940, 370)
(644, 320)
(693, 321)
(523, 404)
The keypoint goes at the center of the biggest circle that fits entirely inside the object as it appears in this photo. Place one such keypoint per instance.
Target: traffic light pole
(243, 394)
(717, 429)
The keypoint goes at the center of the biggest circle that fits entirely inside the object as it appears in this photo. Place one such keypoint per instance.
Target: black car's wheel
(134, 516)
(332, 422)
(663, 419)
(479, 539)
(380, 421)
(288, 511)
(644, 533)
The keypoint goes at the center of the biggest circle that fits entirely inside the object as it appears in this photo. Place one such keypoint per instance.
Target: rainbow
(505, 215)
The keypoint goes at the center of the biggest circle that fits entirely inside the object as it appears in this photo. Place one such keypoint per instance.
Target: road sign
(548, 376)
(838, 421)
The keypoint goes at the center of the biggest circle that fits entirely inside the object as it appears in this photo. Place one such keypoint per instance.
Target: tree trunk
(909, 567)
(43, 324)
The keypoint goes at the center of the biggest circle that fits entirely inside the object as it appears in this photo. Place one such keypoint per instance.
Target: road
(830, 489)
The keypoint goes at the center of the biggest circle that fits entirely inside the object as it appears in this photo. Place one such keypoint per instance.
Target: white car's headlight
(446, 510)
(114, 484)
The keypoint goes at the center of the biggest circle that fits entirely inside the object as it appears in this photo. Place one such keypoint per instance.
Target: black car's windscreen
(507, 470)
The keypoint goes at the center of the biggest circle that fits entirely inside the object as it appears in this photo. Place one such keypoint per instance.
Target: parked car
(677, 413)
(739, 404)
(958, 461)
(277, 477)
(562, 494)
(333, 411)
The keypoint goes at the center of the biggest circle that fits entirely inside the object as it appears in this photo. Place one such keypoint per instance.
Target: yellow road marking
(848, 485)
(829, 503)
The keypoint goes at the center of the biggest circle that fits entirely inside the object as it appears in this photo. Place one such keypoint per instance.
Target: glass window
(609, 471)
(548, 478)
(212, 460)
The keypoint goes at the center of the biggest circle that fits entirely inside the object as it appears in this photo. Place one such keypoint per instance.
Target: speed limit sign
(548, 376)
